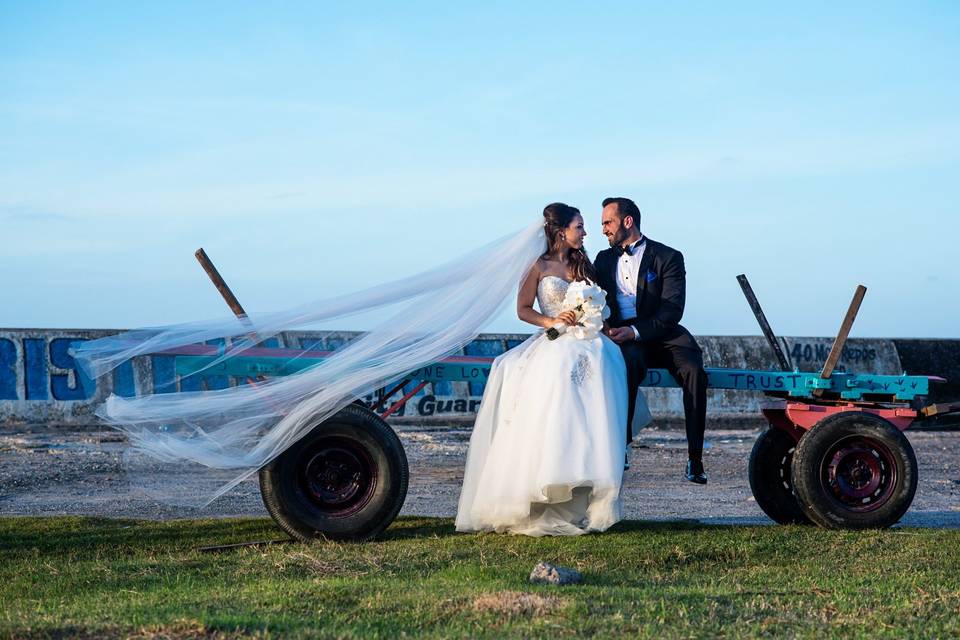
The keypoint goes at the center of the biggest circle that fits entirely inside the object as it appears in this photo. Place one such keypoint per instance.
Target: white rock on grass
(546, 573)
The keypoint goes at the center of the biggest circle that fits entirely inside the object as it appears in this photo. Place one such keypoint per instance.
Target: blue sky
(317, 148)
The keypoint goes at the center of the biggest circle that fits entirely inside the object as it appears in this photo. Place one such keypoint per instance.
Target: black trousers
(685, 364)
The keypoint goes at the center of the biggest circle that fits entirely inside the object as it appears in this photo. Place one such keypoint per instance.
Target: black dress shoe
(695, 472)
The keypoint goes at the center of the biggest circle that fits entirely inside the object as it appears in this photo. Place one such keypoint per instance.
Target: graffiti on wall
(808, 355)
(42, 370)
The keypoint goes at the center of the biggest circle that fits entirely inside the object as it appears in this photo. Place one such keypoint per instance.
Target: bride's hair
(556, 218)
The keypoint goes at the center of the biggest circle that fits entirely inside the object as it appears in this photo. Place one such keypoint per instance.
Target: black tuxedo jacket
(661, 294)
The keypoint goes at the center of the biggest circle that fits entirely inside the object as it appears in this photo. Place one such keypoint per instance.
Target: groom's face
(613, 227)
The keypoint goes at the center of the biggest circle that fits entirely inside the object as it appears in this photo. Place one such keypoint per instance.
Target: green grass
(84, 577)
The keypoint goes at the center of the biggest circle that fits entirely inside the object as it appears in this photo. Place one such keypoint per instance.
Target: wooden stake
(224, 290)
(782, 357)
(837, 350)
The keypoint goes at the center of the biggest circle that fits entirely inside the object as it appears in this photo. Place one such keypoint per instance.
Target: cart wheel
(345, 480)
(770, 478)
(856, 471)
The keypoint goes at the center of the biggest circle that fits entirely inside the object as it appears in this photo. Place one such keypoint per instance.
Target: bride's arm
(526, 297)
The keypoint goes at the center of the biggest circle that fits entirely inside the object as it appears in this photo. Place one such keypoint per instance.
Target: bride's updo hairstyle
(556, 218)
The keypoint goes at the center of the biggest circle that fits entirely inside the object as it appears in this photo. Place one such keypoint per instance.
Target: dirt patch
(517, 603)
(323, 564)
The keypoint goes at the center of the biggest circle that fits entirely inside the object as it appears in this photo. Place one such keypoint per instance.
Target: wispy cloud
(23, 214)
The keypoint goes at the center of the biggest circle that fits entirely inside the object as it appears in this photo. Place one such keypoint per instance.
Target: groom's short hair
(625, 207)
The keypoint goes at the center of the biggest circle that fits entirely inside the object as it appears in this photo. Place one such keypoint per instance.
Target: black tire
(770, 477)
(345, 480)
(854, 471)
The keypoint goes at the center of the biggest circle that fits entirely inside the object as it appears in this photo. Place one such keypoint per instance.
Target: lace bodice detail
(551, 290)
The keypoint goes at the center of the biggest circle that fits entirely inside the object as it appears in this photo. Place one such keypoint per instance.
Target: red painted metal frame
(799, 417)
(385, 395)
(402, 401)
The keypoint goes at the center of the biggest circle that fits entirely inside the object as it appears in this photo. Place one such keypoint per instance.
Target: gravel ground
(81, 473)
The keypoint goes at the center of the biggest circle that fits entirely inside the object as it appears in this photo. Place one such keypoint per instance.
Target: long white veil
(226, 435)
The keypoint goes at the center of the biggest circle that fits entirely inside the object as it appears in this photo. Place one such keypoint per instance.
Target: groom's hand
(620, 334)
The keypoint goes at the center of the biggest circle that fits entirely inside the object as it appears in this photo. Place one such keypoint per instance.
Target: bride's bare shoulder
(534, 274)
(540, 268)
(549, 268)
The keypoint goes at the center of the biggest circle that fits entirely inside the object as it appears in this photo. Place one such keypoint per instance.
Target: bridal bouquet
(589, 303)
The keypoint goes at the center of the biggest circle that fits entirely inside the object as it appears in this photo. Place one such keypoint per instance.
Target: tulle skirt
(547, 451)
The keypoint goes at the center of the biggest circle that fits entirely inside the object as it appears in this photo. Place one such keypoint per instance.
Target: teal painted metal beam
(796, 384)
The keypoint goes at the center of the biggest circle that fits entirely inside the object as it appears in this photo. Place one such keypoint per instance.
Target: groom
(646, 287)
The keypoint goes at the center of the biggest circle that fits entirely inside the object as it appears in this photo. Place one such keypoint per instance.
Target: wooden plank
(782, 357)
(225, 291)
(837, 350)
(214, 274)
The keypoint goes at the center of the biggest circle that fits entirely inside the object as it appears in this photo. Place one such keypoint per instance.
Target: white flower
(595, 296)
(575, 294)
(588, 328)
(588, 302)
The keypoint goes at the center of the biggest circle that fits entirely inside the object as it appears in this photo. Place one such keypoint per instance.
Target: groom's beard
(618, 238)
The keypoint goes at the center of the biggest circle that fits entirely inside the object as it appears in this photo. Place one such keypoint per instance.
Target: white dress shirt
(628, 270)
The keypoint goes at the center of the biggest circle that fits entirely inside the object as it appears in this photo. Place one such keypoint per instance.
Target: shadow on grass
(409, 527)
(69, 534)
(84, 534)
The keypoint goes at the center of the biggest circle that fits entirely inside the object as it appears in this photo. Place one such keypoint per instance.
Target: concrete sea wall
(40, 385)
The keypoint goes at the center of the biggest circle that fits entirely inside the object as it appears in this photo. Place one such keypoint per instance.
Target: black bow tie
(630, 249)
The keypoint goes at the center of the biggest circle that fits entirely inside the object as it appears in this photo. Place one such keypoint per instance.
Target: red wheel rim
(338, 476)
(859, 473)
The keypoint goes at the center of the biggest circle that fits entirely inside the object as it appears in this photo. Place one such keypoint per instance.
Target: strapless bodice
(551, 290)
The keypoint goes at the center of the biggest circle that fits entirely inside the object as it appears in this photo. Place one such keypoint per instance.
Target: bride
(547, 452)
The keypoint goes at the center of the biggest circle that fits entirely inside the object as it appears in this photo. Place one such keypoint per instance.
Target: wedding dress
(547, 452)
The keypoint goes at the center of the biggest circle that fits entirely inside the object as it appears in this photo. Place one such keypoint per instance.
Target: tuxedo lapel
(611, 268)
(645, 262)
(606, 265)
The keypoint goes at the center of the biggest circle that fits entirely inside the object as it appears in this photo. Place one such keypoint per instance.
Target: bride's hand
(568, 318)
